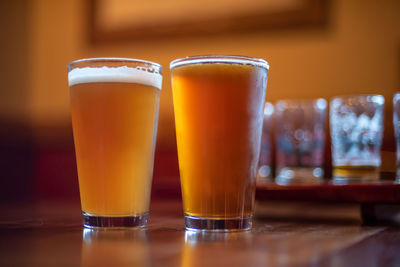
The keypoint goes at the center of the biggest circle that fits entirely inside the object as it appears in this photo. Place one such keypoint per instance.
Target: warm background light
(356, 52)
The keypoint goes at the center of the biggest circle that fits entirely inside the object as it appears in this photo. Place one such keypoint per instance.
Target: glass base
(92, 221)
(299, 175)
(218, 225)
(349, 180)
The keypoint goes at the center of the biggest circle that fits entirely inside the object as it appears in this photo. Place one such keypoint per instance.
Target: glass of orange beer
(218, 105)
(114, 108)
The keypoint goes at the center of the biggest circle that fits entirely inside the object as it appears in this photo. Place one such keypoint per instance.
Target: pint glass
(356, 132)
(218, 105)
(300, 140)
(114, 108)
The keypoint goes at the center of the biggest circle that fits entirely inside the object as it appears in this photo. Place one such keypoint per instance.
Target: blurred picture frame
(122, 20)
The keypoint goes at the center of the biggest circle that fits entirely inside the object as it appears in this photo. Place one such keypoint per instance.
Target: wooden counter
(51, 234)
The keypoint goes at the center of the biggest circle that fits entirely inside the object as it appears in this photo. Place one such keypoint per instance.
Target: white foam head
(122, 74)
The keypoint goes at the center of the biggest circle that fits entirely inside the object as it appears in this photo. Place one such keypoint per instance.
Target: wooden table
(50, 234)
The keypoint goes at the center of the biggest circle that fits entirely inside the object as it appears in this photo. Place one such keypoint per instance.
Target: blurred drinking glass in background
(300, 140)
(356, 131)
(114, 108)
(264, 173)
(396, 125)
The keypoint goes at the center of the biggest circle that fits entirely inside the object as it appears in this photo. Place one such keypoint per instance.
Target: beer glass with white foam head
(114, 108)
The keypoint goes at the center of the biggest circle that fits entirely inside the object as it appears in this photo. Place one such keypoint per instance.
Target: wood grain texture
(52, 235)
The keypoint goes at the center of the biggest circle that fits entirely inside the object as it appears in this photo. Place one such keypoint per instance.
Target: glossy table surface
(50, 234)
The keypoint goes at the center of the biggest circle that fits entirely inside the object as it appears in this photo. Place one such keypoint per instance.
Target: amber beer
(218, 104)
(356, 173)
(114, 107)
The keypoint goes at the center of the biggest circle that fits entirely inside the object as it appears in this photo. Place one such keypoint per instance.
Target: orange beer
(218, 104)
(114, 115)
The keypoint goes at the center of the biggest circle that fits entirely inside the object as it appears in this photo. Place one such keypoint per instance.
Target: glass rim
(319, 103)
(114, 59)
(349, 96)
(396, 97)
(208, 59)
(301, 100)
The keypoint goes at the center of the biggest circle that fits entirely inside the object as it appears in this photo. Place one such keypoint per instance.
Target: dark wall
(16, 140)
